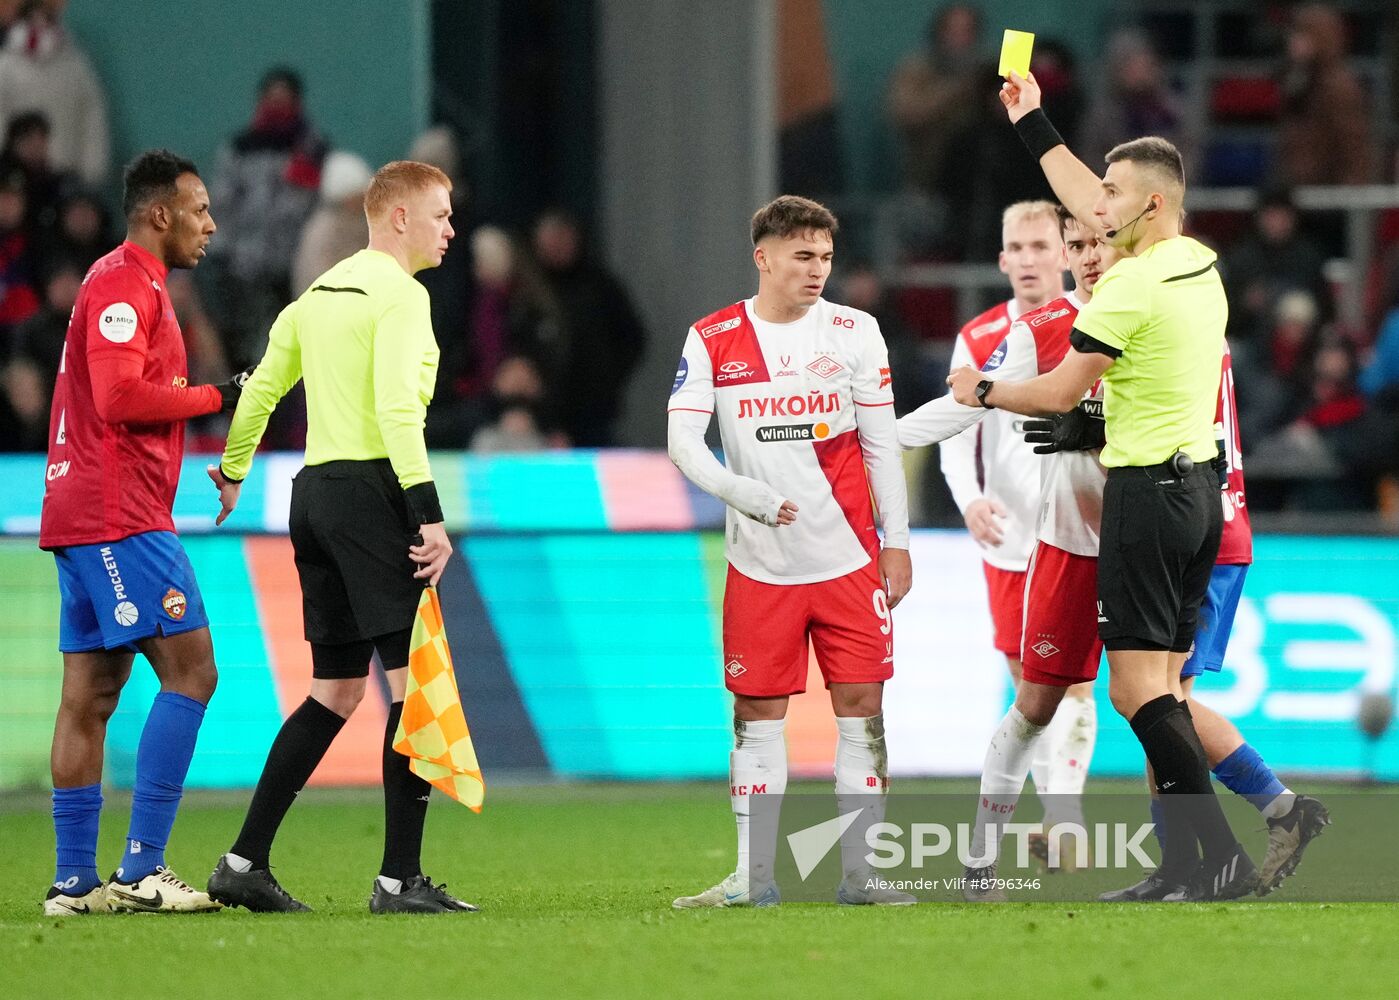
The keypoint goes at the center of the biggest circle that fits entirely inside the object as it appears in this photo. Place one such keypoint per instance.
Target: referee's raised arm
(1154, 333)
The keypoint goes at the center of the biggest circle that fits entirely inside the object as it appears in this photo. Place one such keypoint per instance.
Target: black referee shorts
(1159, 541)
(350, 530)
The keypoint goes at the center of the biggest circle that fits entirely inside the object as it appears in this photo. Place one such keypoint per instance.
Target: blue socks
(1245, 773)
(76, 812)
(162, 761)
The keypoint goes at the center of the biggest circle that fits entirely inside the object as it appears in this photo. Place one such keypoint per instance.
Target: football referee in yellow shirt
(361, 339)
(1154, 333)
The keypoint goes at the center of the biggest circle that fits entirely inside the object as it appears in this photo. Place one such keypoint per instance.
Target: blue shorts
(114, 594)
(1216, 620)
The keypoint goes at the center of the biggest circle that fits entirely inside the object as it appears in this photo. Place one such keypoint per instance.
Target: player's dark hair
(1151, 151)
(790, 214)
(26, 123)
(284, 75)
(1065, 217)
(152, 176)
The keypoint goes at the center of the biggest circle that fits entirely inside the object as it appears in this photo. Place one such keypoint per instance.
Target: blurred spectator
(1134, 101)
(449, 284)
(512, 320)
(208, 363)
(33, 358)
(987, 170)
(1271, 379)
(18, 298)
(916, 378)
(24, 414)
(10, 12)
(1273, 259)
(337, 228)
(203, 345)
(26, 152)
(602, 338)
(1327, 455)
(1056, 70)
(1379, 379)
(39, 339)
(42, 69)
(932, 95)
(1326, 130)
(809, 157)
(265, 186)
(517, 397)
(84, 229)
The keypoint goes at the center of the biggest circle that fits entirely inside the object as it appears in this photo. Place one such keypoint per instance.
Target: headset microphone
(1112, 233)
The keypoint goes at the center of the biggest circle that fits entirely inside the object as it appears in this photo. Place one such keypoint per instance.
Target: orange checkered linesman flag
(433, 729)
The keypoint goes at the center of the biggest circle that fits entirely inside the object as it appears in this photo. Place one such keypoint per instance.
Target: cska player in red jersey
(116, 439)
(802, 393)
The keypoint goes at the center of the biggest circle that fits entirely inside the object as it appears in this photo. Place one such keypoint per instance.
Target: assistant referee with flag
(1154, 333)
(361, 338)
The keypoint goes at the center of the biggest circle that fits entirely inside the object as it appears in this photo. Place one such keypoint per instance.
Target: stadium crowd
(539, 341)
(1318, 398)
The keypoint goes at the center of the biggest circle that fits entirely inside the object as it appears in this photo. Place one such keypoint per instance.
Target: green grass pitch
(575, 883)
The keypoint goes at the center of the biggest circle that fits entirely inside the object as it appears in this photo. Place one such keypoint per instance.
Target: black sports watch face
(982, 388)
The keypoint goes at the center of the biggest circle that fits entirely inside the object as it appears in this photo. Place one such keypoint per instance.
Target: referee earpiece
(1151, 206)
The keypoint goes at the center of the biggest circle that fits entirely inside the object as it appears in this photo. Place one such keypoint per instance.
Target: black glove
(1077, 430)
(233, 388)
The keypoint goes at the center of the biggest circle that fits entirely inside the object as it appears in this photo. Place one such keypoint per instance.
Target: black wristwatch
(983, 388)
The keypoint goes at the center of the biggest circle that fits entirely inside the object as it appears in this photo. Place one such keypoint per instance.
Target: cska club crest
(174, 604)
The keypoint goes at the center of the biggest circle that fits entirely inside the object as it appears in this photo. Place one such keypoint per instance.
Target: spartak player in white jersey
(1000, 504)
(1034, 344)
(802, 391)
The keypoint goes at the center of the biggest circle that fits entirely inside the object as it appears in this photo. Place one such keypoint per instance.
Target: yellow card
(1015, 52)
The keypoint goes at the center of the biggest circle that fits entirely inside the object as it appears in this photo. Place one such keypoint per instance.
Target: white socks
(862, 782)
(757, 765)
(241, 865)
(1070, 739)
(1002, 778)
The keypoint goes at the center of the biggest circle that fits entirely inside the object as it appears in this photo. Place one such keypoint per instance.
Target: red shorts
(1061, 618)
(767, 628)
(1006, 588)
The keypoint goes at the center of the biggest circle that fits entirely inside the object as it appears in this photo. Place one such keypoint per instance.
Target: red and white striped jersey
(1236, 546)
(802, 407)
(1009, 468)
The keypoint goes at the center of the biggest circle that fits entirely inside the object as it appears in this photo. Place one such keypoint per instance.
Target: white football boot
(863, 889)
(162, 891)
(60, 904)
(733, 891)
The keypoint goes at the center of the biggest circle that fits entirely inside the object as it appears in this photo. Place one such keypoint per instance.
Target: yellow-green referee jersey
(1165, 311)
(361, 337)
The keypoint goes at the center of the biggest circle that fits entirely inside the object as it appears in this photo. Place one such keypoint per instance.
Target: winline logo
(793, 432)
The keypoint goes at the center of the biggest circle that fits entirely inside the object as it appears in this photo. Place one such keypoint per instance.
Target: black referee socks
(405, 808)
(300, 744)
(1167, 734)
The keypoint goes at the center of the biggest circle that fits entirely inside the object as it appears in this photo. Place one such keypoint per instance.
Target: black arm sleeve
(423, 504)
(1085, 344)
